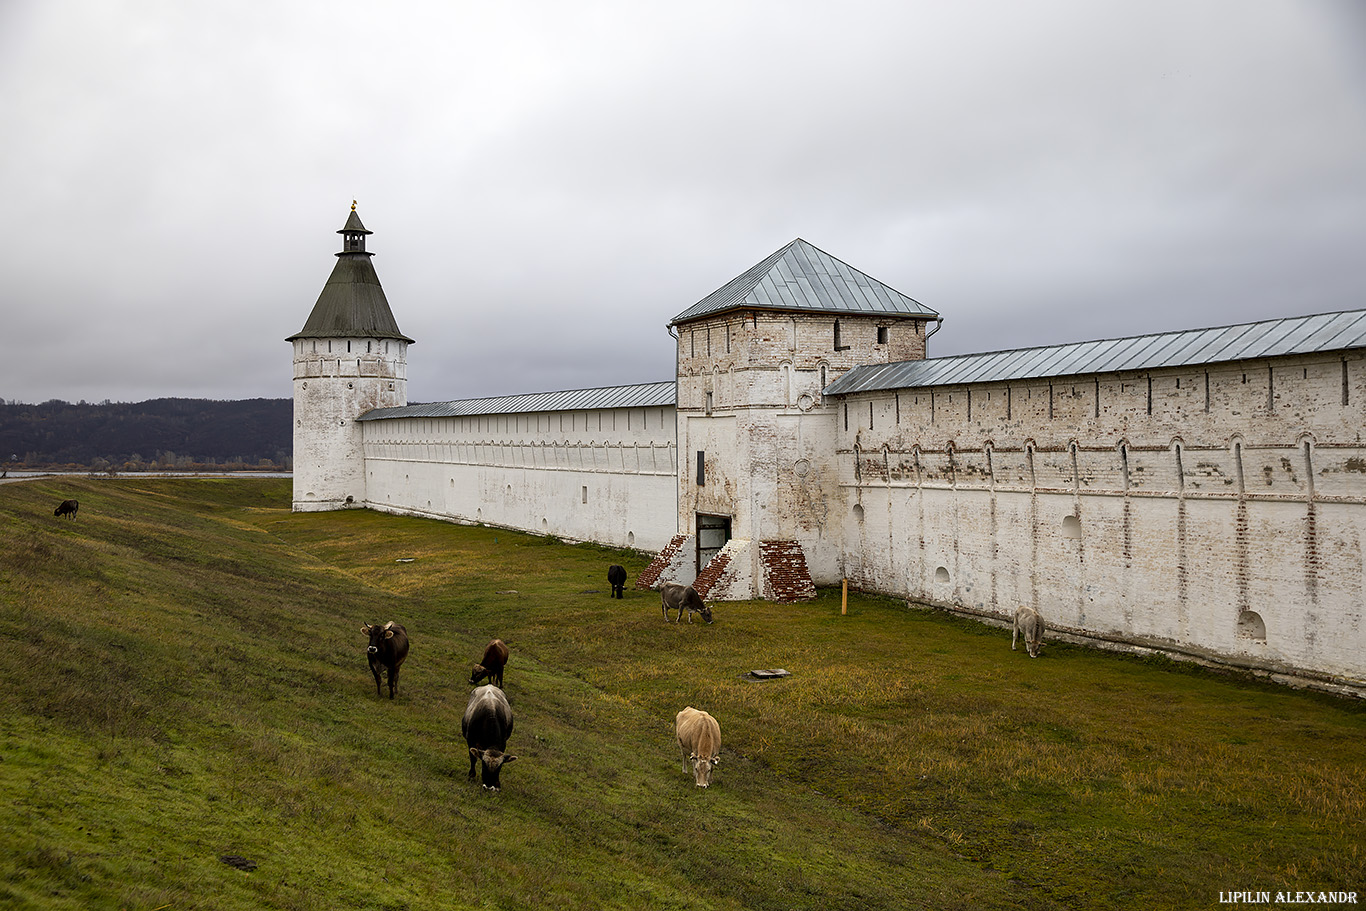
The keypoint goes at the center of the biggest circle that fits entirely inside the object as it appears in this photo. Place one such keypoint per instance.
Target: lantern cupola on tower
(353, 233)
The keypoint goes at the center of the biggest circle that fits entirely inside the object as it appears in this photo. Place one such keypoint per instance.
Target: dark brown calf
(491, 665)
(67, 508)
(387, 649)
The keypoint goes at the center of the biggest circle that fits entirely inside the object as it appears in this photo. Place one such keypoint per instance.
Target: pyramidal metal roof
(1268, 338)
(638, 395)
(803, 277)
(352, 303)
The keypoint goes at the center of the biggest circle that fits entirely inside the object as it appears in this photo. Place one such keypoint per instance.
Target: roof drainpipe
(938, 324)
(677, 453)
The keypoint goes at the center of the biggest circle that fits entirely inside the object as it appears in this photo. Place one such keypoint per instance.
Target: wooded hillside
(159, 433)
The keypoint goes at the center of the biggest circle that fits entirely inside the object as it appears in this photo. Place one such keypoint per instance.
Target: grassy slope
(184, 679)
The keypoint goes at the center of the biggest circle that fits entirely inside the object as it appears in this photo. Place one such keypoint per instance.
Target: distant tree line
(160, 434)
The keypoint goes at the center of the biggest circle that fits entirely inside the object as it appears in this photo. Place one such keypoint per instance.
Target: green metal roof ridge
(631, 395)
(1277, 337)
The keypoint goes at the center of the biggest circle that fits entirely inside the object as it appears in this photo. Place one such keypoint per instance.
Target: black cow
(491, 665)
(68, 509)
(388, 647)
(616, 576)
(682, 598)
(487, 725)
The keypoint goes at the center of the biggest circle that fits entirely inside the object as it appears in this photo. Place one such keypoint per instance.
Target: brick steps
(649, 577)
(786, 577)
(712, 572)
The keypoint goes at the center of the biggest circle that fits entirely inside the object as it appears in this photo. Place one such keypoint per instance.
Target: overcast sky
(550, 182)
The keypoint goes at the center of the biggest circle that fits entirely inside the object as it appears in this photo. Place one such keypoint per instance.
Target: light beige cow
(699, 738)
(1029, 624)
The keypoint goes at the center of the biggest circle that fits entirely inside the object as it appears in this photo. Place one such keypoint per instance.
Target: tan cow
(699, 737)
(1029, 624)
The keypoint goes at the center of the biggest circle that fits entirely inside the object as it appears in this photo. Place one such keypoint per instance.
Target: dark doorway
(712, 534)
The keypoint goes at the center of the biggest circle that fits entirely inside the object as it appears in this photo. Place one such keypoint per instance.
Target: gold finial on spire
(353, 205)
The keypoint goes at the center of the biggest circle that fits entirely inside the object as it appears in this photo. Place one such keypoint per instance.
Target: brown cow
(1028, 624)
(491, 665)
(699, 737)
(67, 508)
(387, 649)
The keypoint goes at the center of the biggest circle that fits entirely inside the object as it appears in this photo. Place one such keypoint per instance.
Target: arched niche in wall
(1071, 527)
(1252, 627)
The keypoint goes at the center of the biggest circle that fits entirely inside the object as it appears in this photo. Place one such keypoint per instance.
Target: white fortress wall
(603, 475)
(1219, 511)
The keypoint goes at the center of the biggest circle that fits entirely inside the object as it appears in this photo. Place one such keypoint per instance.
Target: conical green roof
(352, 303)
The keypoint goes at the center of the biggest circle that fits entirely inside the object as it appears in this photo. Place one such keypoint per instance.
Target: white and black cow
(487, 725)
(387, 649)
(682, 598)
(1028, 624)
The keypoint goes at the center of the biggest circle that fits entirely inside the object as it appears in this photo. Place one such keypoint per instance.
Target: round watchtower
(349, 357)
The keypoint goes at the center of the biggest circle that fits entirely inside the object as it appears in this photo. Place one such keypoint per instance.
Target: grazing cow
(699, 737)
(68, 509)
(491, 665)
(487, 725)
(616, 577)
(388, 647)
(682, 598)
(1029, 624)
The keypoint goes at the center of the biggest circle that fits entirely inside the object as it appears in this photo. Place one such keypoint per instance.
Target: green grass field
(184, 679)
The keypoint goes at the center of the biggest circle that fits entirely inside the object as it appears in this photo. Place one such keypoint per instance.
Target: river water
(99, 475)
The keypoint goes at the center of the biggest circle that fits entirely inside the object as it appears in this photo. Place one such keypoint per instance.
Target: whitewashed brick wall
(750, 398)
(335, 381)
(1157, 508)
(606, 475)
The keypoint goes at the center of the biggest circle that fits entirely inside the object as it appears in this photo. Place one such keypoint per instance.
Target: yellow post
(844, 598)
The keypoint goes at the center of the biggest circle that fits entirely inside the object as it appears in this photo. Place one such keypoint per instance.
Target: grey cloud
(549, 183)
